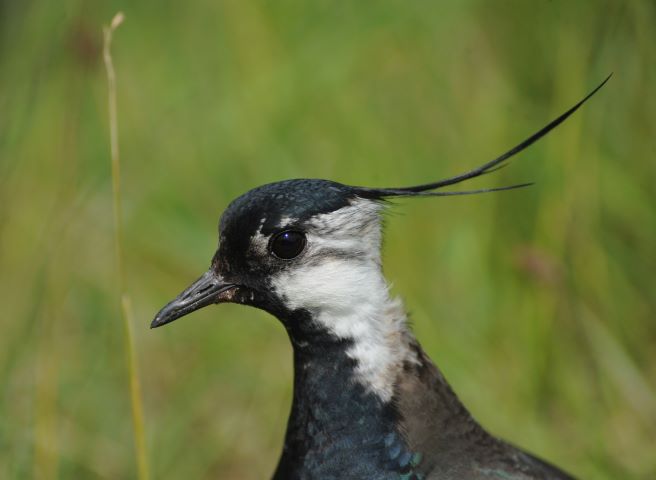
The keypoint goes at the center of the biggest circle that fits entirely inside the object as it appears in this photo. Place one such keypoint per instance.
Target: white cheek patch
(349, 295)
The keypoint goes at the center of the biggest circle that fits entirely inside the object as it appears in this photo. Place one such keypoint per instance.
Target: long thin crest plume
(489, 167)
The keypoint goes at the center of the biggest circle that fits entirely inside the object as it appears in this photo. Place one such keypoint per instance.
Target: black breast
(337, 429)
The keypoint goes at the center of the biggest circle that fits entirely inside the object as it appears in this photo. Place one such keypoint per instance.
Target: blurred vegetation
(539, 304)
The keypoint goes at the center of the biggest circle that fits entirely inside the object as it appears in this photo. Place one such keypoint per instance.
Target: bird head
(289, 246)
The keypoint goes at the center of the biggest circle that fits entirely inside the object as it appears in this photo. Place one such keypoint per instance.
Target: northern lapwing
(368, 402)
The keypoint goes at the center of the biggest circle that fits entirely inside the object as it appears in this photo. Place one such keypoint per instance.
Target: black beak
(208, 289)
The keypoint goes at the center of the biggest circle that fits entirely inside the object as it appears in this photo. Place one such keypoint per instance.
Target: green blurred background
(538, 304)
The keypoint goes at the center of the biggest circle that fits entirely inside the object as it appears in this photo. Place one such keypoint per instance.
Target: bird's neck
(343, 388)
(349, 302)
(334, 416)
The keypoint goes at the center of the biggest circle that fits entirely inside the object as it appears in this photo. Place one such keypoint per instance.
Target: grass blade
(126, 306)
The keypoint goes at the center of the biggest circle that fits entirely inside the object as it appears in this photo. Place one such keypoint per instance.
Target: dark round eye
(287, 244)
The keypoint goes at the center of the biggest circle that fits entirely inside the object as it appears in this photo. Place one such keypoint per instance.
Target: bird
(368, 402)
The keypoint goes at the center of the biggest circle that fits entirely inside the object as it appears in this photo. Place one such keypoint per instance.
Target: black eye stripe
(287, 244)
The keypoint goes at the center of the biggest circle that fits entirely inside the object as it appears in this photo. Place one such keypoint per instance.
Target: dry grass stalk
(126, 308)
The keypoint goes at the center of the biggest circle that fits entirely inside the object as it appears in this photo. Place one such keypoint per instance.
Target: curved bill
(208, 289)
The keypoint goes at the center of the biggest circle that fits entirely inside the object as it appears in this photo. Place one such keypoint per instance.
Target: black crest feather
(488, 167)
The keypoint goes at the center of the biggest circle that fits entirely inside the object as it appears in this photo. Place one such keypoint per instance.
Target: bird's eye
(287, 244)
